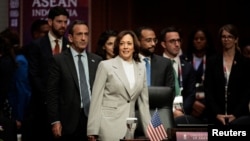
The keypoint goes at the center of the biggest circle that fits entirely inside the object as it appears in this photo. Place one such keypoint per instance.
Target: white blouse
(129, 71)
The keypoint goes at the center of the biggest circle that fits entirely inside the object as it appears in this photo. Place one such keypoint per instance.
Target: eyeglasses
(149, 40)
(227, 37)
(174, 41)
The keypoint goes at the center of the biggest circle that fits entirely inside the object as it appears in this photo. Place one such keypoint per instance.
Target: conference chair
(161, 99)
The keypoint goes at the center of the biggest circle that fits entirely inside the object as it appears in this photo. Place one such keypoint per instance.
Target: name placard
(191, 136)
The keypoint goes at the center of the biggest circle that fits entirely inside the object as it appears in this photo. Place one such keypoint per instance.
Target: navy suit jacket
(188, 84)
(199, 72)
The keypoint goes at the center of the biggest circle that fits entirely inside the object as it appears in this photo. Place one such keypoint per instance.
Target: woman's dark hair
(135, 40)
(209, 48)
(102, 40)
(11, 36)
(36, 26)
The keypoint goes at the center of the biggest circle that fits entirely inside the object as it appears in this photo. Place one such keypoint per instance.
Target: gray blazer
(113, 101)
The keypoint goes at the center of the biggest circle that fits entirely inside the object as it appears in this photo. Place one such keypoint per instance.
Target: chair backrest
(161, 98)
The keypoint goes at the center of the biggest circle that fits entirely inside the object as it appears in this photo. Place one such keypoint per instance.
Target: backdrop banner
(30, 10)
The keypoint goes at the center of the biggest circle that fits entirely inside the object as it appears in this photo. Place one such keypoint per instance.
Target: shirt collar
(176, 58)
(75, 53)
(142, 57)
(52, 38)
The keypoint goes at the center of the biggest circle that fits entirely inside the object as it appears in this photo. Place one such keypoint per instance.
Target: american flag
(155, 129)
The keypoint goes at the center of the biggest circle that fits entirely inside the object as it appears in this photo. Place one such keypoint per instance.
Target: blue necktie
(148, 70)
(83, 86)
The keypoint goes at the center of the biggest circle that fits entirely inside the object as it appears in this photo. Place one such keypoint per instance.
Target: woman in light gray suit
(119, 83)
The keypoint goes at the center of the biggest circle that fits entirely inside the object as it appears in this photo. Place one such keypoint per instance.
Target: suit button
(128, 101)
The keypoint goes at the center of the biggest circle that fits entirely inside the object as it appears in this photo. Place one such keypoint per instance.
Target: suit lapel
(65, 43)
(118, 69)
(46, 46)
(91, 65)
(153, 71)
(71, 65)
(138, 70)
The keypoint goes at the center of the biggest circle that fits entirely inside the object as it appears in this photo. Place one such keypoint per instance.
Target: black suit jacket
(238, 87)
(161, 71)
(40, 54)
(63, 98)
(188, 84)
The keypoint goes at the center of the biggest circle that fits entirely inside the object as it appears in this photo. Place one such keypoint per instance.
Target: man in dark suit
(40, 55)
(161, 68)
(171, 43)
(66, 106)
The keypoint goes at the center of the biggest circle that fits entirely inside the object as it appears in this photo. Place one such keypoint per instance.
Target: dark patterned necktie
(83, 86)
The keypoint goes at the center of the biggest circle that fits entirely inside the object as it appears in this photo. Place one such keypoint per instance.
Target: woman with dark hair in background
(105, 45)
(227, 81)
(20, 92)
(200, 47)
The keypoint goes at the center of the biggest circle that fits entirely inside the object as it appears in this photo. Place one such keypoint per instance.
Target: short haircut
(75, 22)
(169, 29)
(57, 11)
(138, 31)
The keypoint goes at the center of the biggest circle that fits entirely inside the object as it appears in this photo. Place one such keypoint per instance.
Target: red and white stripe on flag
(155, 130)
